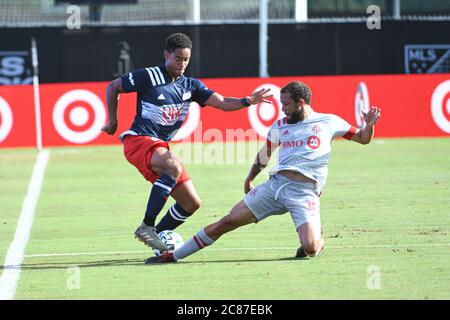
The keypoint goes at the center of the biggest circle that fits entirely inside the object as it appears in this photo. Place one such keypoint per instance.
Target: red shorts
(139, 151)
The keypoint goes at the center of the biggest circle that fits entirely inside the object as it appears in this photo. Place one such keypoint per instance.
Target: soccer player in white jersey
(296, 181)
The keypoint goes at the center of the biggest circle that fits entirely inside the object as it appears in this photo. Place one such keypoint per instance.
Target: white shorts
(279, 195)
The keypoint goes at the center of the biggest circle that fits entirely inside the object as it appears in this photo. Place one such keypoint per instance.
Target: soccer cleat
(301, 253)
(165, 257)
(147, 234)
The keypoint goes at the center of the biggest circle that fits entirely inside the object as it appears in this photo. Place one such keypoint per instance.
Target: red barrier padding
(73, 113)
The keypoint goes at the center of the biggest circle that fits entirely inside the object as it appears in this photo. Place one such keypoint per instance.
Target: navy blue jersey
(162, 105)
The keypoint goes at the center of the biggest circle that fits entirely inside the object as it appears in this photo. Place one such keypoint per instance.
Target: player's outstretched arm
(365, 134)
(261, 161)
(112, 92)
(218, 101)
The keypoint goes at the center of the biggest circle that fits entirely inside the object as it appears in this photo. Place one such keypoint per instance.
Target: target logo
(6, 119)
(361, 103)
(79, 115)
(190, 124)
(263, 115)
(440, 106)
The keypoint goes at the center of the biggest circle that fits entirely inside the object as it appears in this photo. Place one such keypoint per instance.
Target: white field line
(15, 256)
(232, 249)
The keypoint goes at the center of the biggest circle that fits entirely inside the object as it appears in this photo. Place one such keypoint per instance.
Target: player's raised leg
(187, 202)
(239, 216)
(168, 168)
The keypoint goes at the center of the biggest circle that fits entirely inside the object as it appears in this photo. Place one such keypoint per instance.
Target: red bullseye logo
(445, 107)
(268, 114)
(440, 106)
(361, 103)
(6, 119)
(313, 142)
(79, 115)
(263, 115)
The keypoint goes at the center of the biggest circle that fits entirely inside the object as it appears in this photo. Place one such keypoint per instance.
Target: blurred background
(99, 39)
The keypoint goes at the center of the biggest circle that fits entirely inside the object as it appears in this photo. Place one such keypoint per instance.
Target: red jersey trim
(281, 121)
(351, 132)
(199, 242)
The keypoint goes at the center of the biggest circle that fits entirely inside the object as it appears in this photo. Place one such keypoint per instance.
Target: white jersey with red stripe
(305, 146)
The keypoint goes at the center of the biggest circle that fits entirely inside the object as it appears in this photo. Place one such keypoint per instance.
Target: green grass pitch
(385, 212)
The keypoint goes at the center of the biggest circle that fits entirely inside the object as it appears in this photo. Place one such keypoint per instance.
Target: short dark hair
(298, 90)
(178, 41)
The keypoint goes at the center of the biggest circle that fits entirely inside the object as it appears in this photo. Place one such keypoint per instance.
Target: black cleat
(165, 257)
(301, 253)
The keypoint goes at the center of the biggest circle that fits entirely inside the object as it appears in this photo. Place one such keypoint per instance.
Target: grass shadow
(233, 261)
(129, 262)
(84, 264)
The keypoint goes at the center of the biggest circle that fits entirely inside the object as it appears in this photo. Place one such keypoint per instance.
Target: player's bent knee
(174, 169)
(193, 205)
(196, 204)
(313, 249)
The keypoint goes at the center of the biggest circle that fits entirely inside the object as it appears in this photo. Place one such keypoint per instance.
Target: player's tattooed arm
(261, 161)
(257, 167)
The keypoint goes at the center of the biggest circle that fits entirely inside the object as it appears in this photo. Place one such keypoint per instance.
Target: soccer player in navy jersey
(164, 95)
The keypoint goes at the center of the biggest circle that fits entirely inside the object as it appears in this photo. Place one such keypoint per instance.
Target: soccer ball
(171, 239)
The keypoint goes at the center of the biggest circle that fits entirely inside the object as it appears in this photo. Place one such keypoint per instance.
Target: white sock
(194, 244)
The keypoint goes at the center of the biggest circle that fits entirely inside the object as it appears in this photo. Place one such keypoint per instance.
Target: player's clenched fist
(110, 128)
